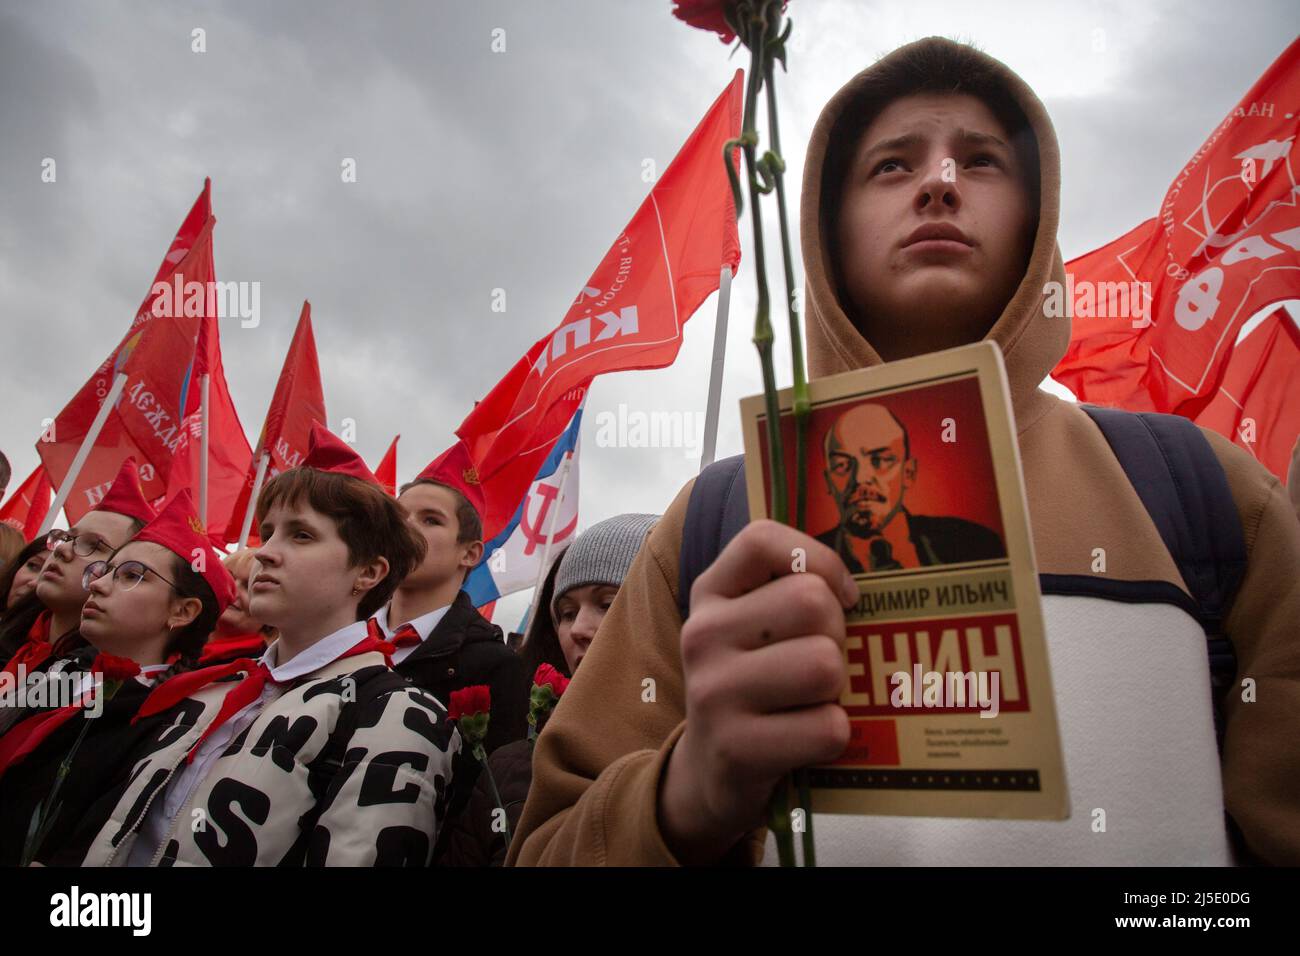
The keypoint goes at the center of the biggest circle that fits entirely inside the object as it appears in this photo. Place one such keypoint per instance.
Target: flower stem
(762, 321)
(754, 24)
(802, 405)
(50, 808)
(481, 754)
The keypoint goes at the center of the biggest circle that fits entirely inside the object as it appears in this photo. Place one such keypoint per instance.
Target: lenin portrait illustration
(886, 482)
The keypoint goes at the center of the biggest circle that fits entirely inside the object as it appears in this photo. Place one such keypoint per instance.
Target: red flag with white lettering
(228, 452)
(1225, 246)
(28, 506)
(628, 315)
(298, 401)
(1255, 403)
(156, 355)
(387, 470)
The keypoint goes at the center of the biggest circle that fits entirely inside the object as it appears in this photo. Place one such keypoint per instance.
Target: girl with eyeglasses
(156, 597)
(42, 627)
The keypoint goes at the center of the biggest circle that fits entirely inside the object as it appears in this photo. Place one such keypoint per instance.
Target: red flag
(28, 506)
(1225, 246)
(629, 314)
(228, 452)
(387, 470)
(156, 354)
(1255, 403)
(298, 401)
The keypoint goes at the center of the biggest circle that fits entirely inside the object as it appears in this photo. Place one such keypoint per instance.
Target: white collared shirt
(163, 810)
(149, 673)
(424, 625)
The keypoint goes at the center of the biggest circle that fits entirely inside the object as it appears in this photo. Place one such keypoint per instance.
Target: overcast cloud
(479, 170)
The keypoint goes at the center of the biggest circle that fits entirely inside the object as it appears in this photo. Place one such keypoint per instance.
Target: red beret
(455, 468)
(125, 496)
(178, 529)
(326, 452)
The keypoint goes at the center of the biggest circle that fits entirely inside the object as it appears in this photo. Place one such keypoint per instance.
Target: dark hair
(370, 523)
(6, 472)
(189, 640)
(18, 624)
(469, 524)
(942, 67)
(542, 643)
(30, 549)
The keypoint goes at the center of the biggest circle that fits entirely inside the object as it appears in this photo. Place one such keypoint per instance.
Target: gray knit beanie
(602, 554)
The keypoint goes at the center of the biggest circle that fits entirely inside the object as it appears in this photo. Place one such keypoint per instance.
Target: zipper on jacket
(144, 813)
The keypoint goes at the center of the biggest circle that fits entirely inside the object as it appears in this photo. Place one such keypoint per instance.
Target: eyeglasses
(128, 574)
(84, 544)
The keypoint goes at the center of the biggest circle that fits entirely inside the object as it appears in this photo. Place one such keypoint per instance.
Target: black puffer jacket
(471, 838)
(465, 649)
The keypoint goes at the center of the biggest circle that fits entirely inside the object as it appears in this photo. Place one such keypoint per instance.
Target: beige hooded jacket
(1131, 678)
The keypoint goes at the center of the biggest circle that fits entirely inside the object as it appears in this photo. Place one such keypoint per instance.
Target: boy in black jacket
(443, 643)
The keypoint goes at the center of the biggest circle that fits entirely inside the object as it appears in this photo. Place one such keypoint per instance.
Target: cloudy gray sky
(479, 170)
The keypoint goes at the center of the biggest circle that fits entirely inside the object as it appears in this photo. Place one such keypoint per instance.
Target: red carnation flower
(711, 15)
(115, 668)
(471, 709)
(470, 701)
(706, 15)
(548, 676)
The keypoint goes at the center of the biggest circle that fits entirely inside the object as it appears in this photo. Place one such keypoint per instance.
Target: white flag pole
(709, 446)
(252, 500)
(203, 451)
(83, 452)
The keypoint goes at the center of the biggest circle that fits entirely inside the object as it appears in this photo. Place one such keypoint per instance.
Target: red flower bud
(548, 676)
(469, 701)
(711, 15)
(114, 668)
(706, 15)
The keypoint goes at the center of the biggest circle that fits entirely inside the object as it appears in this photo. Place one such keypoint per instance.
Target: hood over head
(1031, 342)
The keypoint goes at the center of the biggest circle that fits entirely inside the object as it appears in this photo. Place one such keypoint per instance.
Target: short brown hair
(370, 523)
(469, 524)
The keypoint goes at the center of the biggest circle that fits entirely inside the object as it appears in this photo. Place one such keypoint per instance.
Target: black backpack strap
(718, 508)
(1176, 474)
(1183, 487)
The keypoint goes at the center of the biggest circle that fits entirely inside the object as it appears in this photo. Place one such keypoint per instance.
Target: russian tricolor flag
(513, 559)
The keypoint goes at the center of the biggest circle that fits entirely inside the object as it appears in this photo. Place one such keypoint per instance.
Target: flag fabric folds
(157, 356)
(28, 506)
(1156, 312)
(1255, 404)
(297, 403)
(512, 559)
(387, 470)
(628, 315)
